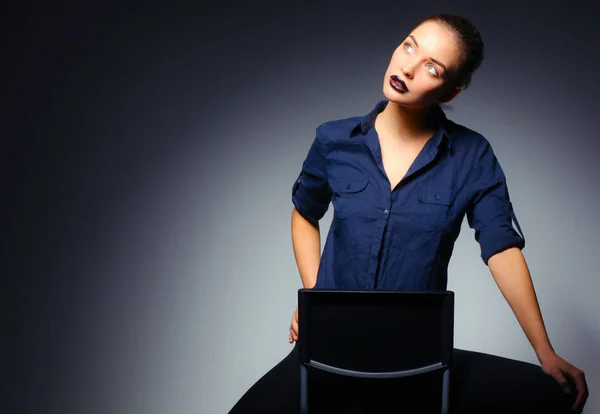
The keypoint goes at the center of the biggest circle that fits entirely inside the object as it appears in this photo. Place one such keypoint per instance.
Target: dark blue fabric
(401, 239)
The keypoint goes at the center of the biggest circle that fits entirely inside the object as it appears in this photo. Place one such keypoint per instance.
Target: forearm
(511, 274)
(306, 241)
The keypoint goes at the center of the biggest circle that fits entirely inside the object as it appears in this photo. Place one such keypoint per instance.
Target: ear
(448, 96)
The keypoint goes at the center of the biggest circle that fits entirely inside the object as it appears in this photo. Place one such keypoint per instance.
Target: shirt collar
(366, 122)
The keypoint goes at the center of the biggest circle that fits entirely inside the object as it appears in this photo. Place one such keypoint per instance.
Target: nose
(408, 71)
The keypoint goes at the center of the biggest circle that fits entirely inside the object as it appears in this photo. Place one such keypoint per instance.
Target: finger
(581, 386)
(562, 381)
(292, 330)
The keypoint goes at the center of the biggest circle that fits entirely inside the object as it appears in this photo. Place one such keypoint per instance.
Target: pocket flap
(348, 184)
(435, 196)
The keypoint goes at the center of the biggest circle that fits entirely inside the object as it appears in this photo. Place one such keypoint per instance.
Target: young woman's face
(421, 70)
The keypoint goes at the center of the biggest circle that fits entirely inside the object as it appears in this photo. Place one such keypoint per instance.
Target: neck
(409, 125)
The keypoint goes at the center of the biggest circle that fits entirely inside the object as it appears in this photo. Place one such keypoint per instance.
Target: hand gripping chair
(376, 335)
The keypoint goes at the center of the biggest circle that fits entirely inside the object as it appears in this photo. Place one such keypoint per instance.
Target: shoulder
(330, 134)
(465, 138)
(475, 154)
(338, 129)
(469, 146)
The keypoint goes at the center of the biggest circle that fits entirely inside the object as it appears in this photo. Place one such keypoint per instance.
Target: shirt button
(348, 187)
(437, 196)
(386, 211)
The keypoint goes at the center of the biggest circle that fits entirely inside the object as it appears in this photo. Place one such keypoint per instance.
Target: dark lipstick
(398, 84)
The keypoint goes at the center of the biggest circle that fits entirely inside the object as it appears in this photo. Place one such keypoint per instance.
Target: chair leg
(446, 392)
(303, 389)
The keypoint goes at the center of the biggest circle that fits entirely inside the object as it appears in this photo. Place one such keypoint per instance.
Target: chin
(392, 95)
(406, 100)
(399, 99)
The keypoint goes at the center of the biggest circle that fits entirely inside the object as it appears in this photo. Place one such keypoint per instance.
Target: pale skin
(426, 61)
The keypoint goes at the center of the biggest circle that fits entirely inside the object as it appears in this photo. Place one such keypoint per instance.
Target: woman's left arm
(511, 274)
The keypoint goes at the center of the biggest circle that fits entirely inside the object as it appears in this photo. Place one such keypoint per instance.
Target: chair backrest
(377, 334)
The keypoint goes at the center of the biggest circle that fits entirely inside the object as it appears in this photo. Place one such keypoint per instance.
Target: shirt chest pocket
(434, 208)
(349, 195)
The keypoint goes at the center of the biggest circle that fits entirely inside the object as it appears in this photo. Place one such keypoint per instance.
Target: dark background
(139, 224)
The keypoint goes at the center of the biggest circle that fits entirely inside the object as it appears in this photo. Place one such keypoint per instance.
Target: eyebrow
(430, 58)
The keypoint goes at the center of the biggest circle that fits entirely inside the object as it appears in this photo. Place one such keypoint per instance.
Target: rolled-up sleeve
(310, 193)
(491, 213)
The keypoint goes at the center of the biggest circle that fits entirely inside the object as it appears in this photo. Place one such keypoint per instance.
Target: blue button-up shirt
(401, 239)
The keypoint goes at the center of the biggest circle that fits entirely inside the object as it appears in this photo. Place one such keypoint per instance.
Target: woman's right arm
(311, 195)
(306, 241)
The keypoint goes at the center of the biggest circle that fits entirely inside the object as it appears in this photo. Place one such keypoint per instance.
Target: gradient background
(147, 167)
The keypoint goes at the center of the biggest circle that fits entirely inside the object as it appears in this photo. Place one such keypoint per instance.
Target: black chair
(376, 335)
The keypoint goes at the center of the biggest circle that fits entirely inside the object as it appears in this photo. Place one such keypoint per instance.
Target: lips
(398, 84)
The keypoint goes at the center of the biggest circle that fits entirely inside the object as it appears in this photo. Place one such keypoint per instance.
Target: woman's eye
(407, 46)
(432, 69)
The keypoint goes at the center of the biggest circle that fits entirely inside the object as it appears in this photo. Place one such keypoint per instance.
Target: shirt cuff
(308, 208)
(495, 240)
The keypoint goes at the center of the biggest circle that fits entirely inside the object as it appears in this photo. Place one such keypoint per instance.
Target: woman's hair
(470, 42)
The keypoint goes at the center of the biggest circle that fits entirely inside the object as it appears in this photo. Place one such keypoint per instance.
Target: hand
(294, 327)
(558, 368)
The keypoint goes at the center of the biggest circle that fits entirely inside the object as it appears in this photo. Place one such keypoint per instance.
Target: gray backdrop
(148, 160)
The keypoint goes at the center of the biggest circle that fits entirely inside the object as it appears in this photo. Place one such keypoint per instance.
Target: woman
(401, 179)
